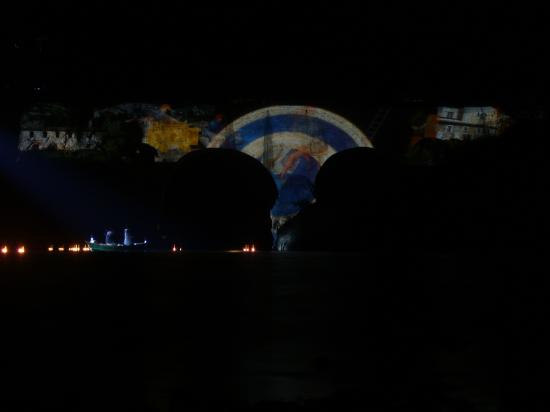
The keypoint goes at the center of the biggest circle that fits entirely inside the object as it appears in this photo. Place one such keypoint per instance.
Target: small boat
(110, 246)
(117, 247)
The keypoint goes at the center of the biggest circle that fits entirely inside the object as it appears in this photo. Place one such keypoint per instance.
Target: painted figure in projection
(292, 142)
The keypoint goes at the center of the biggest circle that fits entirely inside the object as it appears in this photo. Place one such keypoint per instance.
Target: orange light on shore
(249, 248)
(75, 248)
(61, 249)
(86, 249)
(174, 249)
(50, 249)
(21, 250)
(4, 250)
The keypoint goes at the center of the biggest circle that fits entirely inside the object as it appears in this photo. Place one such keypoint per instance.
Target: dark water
(219, 331)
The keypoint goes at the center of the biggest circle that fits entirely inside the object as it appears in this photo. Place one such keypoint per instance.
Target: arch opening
(292, 142)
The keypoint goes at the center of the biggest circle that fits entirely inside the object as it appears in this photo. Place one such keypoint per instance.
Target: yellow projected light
(166, 136)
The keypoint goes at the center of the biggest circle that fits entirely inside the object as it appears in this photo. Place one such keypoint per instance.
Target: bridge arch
(292, 142)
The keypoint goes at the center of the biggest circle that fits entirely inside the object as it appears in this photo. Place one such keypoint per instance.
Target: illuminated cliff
(171, 139)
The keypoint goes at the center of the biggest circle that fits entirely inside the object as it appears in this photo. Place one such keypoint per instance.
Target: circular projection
(292, 142)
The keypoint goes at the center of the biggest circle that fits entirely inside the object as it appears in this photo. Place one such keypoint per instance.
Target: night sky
(97, 53)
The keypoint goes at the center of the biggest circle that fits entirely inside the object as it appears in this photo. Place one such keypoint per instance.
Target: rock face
(122, 128)
(64, 140)
(171, 139)
(54, 127)
(464, 199)
(47, 115)
(171, 132)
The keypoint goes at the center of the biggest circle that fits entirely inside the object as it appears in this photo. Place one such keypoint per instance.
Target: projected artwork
(467, 123)
(292, 142)
(171, 139)
(172, 132)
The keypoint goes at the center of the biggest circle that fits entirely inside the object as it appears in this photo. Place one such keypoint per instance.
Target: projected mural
(460, 123)
(168, 135)
(292, 142)
(172, 132)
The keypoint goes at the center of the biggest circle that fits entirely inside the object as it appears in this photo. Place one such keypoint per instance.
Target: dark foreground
(214, 331)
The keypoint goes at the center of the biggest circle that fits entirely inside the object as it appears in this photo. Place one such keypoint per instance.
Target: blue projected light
(292, 142)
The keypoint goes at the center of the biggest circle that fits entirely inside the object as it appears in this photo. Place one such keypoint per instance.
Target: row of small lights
(246, 249)
(249, 248)
(76, 248)
(21, 249)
